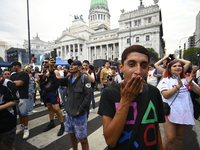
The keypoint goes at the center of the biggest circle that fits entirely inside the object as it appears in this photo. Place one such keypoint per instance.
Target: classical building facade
(98, 41)
(197, 31)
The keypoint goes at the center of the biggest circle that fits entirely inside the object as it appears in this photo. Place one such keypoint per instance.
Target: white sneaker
(41, 103)
(33, 111)
(92, 110)
(20, 129)
(26, 134)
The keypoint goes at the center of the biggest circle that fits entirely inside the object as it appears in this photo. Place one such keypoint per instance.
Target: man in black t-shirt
(132, 110)
(21, 79)
(9, 98)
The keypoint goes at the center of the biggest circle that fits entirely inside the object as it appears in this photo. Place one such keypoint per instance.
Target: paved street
(50, 141)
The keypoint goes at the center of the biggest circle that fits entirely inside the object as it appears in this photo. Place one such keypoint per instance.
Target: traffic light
(35, 60)
(32, 57)
(198, 54)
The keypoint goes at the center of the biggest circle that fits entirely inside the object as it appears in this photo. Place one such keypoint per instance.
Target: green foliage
(116, 59)
(1, 58)
(153, 54)
(191, 54)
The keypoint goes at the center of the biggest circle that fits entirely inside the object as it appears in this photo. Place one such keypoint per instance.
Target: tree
(116, 59)
(153, 54)
(1, 58)
(191, 54)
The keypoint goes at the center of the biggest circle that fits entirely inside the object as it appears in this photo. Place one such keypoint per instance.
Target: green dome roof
(95, 3)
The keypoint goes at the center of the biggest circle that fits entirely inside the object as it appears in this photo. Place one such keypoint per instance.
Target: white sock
(25, 127)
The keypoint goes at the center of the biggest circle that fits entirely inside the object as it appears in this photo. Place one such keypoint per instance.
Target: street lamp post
(29, 45)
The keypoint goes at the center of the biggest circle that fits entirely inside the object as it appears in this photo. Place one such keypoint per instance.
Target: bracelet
(178, 86)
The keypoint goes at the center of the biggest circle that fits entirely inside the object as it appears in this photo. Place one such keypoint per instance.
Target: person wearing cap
(78, 102)
(21, 79)
(8, 116)
(50, 97)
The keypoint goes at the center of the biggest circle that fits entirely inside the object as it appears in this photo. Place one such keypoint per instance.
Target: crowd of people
(132, 96)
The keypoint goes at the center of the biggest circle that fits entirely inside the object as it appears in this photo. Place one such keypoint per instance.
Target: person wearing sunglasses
(6, 75)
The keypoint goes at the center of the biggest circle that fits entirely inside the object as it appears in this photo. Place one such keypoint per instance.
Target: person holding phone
(50, 96)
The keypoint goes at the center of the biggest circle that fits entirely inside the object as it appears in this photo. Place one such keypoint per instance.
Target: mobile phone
(171, 56)
(83, 68)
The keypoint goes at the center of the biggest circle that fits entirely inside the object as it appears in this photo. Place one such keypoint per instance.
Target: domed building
(98, 41)
(99, 16)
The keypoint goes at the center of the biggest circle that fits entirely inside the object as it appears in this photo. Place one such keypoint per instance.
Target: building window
(91, 18)
(37, 47)
(149, 20)
(147, 38)
(137, 39)
(59, 53)
(135, 23)
(139, 22)
(76, 57)
(71, 50)
(98, 16)
(104, 17)
(101, 17)
(76, 50)
(128, 40)
(95, 17)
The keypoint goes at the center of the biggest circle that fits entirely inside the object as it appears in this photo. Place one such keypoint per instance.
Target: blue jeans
(63, 92)
(103, 89)
(93, 100)
(30, 101)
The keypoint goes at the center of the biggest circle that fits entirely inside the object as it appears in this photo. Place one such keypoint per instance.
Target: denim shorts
(76, 125)
(8, 138)
(22, 107)
(51, 98)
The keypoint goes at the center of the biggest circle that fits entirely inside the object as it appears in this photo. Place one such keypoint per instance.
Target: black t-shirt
(146, 138)
(8, 117)
(23, 90)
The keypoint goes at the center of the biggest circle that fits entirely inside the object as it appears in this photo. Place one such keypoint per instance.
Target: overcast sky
(49, 18)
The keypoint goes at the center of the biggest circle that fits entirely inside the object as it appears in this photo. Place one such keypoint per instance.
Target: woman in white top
(151, 79)
(181, 113)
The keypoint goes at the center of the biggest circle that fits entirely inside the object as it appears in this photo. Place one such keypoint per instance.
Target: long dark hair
(168, 72)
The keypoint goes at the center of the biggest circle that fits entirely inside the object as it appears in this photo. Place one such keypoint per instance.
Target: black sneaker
(61, 131)
(50, 126)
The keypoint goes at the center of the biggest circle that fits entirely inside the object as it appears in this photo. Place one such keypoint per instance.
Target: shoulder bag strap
(141, 111)
(175, 98)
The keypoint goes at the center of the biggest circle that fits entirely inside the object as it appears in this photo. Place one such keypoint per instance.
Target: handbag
(196, 103)
(167, 107)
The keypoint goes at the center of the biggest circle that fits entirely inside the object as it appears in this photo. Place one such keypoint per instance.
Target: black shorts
(8, 138)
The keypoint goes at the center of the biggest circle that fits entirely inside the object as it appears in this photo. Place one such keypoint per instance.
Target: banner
(20, 58)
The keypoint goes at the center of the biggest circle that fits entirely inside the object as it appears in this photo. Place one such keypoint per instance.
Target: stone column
(69, 54)
(74, 53)
(107, 51)
(114, 51)
(78, 51)
(101, 55)
(95, 52)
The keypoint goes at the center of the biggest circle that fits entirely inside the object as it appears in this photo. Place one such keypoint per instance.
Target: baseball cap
(77, 62)
(113, 67)
(16, 64)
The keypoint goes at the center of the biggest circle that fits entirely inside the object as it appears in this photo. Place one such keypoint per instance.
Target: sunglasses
(45, 62)
(6, 74)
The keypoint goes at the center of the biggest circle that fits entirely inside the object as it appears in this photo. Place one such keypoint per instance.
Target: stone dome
(95, 3)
